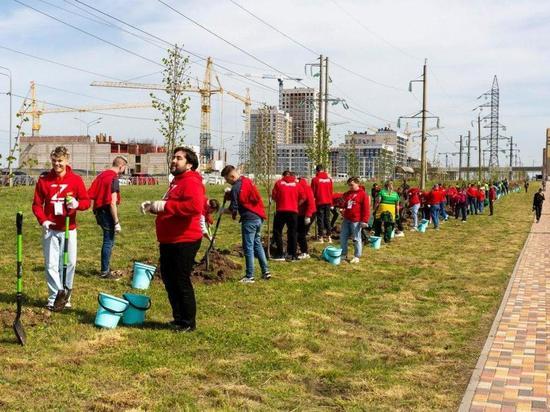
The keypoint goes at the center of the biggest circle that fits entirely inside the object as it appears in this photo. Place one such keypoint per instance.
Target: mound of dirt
(221, 269)
(29, 317)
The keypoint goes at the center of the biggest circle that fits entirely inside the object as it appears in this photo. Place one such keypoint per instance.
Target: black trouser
(460, 208)
(538, 211)
(176, 265)
(323, 220)
(387, 221)
(302, 233)
(335, 214)
(491, 203)
(290, 219)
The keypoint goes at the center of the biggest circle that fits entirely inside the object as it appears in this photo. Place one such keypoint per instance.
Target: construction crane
(36, 112)
(280, 79)
(206, 91)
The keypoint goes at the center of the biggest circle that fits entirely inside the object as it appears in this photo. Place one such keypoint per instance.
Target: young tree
(173, 111)
(23, 118)
(263, 161)
(351, 158)
(318, 150)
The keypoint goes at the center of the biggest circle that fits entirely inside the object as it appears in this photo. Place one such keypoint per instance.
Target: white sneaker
(68, 305)
(329, 240)
(354, 260)
(303, 256)
(320, 240)
(400, 234)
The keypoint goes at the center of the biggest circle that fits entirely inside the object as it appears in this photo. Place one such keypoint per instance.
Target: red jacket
(451, 193)
(414, 196)
(52, 189)
(250, 198)
(461, 197)
(436, 197)
(321, 185)
(481, 195)
(357, 206)
(307, 208)
(492, 193)
(472, 192)
(100, 190)
(287, 193)
(181, 219)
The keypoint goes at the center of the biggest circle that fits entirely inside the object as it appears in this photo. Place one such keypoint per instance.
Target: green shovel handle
(19, 225)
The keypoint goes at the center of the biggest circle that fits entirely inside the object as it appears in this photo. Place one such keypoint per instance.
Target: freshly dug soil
(222, 268)
(29, 316)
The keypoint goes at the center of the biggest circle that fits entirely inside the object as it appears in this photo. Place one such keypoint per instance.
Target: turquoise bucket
(110, 310)
(332, 255)
(143, 274)
(392, 235)
(423, 225)
(375, 242)
(137, 306)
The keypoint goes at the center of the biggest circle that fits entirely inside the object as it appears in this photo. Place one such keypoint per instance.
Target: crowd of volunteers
(184, 214)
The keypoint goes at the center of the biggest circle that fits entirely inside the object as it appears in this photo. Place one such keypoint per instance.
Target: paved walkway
(513, 371)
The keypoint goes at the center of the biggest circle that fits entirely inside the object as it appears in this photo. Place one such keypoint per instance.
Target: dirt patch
(222, 268)
(29, 317)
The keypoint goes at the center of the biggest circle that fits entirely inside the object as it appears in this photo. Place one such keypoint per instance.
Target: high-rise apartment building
(300, 104)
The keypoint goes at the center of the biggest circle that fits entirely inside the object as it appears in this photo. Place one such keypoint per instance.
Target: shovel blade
(61, 300)
(19, 332)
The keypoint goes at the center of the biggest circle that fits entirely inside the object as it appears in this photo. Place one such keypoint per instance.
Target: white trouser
(52, 244)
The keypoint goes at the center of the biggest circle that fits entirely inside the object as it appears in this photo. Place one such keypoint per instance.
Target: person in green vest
(386, 209)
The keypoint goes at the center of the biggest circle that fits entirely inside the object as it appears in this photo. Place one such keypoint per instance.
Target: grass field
(400, 331)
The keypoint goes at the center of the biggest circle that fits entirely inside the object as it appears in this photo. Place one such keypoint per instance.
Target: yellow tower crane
(36, 112)
(206, 91)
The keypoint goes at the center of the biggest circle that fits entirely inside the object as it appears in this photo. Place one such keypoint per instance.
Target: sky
(374, 47)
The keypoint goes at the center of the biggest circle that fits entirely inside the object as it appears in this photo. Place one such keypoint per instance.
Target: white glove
(227, 190)
(364, 225)
(47, 224)
(72, 203)
(118, 228)
(145, 206)
(307, 220)
(157, 206)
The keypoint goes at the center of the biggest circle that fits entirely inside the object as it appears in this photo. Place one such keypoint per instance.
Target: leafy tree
(23, 118)
(174, 110)
(263, 161)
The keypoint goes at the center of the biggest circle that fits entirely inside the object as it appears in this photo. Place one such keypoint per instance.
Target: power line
(74, 93)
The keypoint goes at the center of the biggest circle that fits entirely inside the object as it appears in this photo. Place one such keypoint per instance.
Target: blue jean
(414, 212)
(472, 203)
(480, 206)
(351, 230)
(435, 215)
(252, 246)
(105, 220)
(442, 210)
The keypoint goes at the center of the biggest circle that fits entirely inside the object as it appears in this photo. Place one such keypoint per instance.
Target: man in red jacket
(247, 202)
(321, 185)
(287, 194)
(105, 193)
(305, 212)
(57, 194)
(492, 197)
(178, 226)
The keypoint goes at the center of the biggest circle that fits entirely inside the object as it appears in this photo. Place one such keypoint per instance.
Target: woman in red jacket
(356, 216)
(57, 194)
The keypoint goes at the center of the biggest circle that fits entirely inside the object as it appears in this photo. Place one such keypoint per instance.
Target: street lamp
(88, 125)
(11, 115)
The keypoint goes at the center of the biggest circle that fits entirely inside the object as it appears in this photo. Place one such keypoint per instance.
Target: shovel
(211, 245)
(17, 325)
(64, 294)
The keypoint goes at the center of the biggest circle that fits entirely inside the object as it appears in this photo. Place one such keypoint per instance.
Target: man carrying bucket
(247, 202)
(105, 193)
(178, 226)
(57, 194)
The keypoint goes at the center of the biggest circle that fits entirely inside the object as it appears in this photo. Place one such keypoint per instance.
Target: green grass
(400, 331)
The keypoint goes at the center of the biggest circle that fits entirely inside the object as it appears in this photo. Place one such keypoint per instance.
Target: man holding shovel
(246, 200)
(58, 194)
(105, 192)
(178, 226)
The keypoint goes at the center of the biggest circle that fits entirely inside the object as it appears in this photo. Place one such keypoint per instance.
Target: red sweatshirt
(414, 196)
(181, 220)
(250, 198)
(436, 197)
(357, 206)
(287, 194)
(52, 189)
(307, 208)
(100, 190)
(492, 193)
(480, 195)
(321, 185)
(472, 192)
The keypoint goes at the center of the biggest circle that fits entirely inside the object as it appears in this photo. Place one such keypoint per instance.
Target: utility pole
(511, 172)
(321, 84)
(479, 146)
(460, 159)
(326, 94)
(468, 157)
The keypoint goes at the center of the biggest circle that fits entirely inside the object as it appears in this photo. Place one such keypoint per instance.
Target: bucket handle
(109, 309)
(138, 307)
(150, 274)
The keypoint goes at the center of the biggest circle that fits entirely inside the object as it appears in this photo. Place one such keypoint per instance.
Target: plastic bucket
(143, 274)
(423, 225)
(392, 235)
(137, 306)
(110, 310)
(332, 255)
(375, 242)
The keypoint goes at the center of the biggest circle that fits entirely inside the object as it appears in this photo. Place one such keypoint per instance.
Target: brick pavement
(513, 371)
